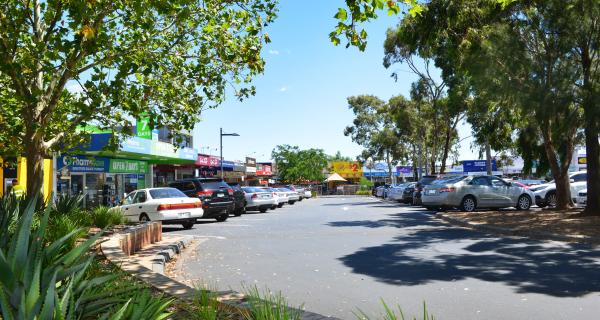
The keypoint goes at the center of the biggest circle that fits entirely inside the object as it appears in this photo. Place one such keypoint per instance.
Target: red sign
(207, 161)
(263, 182)
(264, 170)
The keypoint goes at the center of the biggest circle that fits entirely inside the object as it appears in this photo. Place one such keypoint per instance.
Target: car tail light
(447, 189)
(205, 193)
(273, 194)
(176, 206)
(230, 191)
(254, 196)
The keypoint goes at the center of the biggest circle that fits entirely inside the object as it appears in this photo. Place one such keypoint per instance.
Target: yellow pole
(48, 175)
(22, 172)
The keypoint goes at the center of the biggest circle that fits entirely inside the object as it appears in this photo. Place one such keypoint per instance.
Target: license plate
(430, 191)
(185, 214)
(220, 195)
(265, 197)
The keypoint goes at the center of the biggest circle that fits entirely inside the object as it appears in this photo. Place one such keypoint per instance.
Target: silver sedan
(469, 193)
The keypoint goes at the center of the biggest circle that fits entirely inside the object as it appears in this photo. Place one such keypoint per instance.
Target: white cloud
(274, 52)
(284, 89)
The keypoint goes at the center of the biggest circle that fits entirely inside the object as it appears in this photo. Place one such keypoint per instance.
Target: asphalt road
(335, 255)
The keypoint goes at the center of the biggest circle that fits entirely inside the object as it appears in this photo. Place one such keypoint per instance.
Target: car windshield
(427, 180)
(164, 193)
(450, 180)
(214, 185)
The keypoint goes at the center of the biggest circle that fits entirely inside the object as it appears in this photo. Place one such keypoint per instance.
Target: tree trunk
(592, 153)
(34, 152)
(592, 149)
(446, 151)
(560, 172)
(488, 158)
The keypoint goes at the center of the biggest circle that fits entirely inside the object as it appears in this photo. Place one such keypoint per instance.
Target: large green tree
(295, 165)
(168, 59)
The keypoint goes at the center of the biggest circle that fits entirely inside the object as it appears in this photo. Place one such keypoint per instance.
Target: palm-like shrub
(40, 280)
(103, 217)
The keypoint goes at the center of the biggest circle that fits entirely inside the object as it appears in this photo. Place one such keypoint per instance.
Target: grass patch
(391, 314)
(269, 306)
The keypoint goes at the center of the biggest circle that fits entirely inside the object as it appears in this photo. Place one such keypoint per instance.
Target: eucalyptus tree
(295, 165)
(166, 59)
(374, 129)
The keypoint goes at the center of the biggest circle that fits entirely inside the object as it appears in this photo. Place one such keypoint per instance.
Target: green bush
(390, 314)
(269, 306)
(365, 184)
(363, 192)
(66, 204)
(103, 217)
(41, 280)
(62, 225)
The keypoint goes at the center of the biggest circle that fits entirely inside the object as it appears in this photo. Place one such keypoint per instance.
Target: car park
(258, 199)
(168, 205)
(216, 196)
(469, 193)
(545, 194)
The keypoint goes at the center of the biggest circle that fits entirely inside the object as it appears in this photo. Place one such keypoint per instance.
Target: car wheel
(144, 218)
(280, 205)
(262, 210)
(223, 217)
(188, 224)
(300, 199)
(468, 204)
(273, 207)
(524, 203)
(551, 199)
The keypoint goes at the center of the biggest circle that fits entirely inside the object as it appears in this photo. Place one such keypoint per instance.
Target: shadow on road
(433, 251)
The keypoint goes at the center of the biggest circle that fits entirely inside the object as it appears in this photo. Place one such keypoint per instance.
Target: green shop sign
(143, 127)
(127, 166)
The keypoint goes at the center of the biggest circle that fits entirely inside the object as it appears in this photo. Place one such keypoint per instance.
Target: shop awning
(335, 178)
(156, 152)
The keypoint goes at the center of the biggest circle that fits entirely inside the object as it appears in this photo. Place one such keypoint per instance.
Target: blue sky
(301, 98)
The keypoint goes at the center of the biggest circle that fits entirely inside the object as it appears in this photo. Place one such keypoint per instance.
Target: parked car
(216, 196)
(582, 198)
(425, 181)
(258, 199)
(292, 195)
(307, 194)
(407, 194)
(298, 190)
(275, 200)
(396, 192)
(238, 199)
(381, 191)
(545, 194)
(280, 197)
(469, 193)
(168, 205)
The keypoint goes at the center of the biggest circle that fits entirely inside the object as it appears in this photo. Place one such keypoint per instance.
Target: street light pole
(221, 146)
(221, 134)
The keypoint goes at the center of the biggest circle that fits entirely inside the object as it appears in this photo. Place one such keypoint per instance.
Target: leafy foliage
(268, 306)
(121, 59)
(390, 314)
(296, 166)
(42, 280)
(103, 217)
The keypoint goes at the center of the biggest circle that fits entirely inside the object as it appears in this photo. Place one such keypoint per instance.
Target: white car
(582, 198)
(545, 194)
(292, 195)
(307, 194)
(168, 205)
(258, 199)
(396, 192)
(280, 197)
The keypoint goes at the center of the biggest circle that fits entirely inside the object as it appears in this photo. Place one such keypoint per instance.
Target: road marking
(213, 237)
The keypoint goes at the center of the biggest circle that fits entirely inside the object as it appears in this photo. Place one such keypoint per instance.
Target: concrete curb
(166, 255)
(229, 300)
(539, 235)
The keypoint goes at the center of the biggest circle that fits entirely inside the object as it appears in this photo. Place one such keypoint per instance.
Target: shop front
(207, 166)
(101, 180)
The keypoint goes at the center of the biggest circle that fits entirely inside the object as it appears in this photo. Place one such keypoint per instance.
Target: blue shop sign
(227, 165)
(83, 163)
(477, 165)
